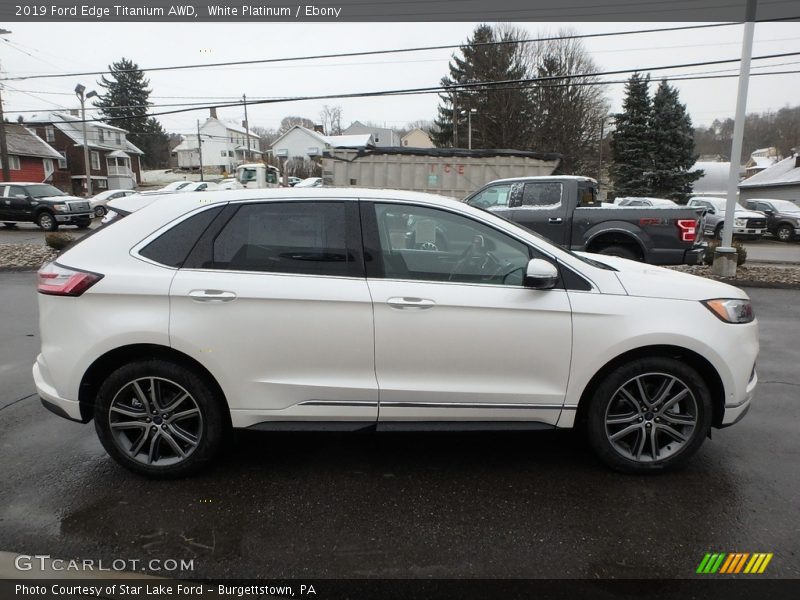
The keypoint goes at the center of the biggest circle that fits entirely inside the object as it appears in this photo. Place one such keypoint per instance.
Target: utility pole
(246, 126)
(3, 142)
(725, 256)
(200, 150)
(455, 118)
(82, 96)
(600, 153)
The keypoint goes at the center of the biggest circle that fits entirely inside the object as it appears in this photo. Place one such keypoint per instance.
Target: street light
(79, 92)
(469, 113)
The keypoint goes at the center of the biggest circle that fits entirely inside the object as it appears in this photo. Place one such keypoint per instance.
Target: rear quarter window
(173, 246)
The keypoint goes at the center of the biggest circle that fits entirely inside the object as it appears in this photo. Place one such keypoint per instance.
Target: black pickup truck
(565, 210)
(43, 204)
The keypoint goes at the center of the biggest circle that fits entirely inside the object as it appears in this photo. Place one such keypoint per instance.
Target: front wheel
(100, 211)
(47, 221)
(159, 419)
(649, 415)
(784, 233)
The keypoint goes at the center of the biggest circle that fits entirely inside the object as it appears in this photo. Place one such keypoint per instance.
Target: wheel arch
(616, 237)
(693, 359)
(113, 359)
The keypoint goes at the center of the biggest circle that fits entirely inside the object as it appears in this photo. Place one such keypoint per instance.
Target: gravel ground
(24, 257)
(29, 257)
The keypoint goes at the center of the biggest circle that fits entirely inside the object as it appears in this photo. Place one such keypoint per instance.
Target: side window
(427, 244)
(542, 194)
(496, 195)
(15, 190)
(307, 238)
(173, 246)
(3, 189)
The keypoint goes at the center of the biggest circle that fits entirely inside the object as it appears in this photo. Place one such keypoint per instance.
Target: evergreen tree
(673, 146)
(503, 117)
(632, 146)
(125, 104)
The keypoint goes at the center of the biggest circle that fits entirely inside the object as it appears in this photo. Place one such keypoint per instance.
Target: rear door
(273, 299)
(19, 206)
(5, 202)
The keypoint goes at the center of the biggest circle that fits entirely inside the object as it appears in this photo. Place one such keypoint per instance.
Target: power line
(483, 85)
(382, 52)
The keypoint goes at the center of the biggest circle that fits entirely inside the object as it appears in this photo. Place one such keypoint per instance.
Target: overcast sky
(35, 48)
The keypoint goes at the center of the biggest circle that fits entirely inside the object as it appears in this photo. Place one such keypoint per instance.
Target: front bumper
(74, 217)
(69, 409)
(747, 232)
(736, 412)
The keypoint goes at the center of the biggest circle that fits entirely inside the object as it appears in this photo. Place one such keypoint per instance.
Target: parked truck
(566, 210)
(448, 171)
(257, 176)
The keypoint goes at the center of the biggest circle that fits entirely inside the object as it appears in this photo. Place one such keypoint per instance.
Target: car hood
(641, 279)
(747, 214)
(62, 199)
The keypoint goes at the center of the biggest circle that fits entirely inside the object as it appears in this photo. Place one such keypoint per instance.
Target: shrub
(741, 252)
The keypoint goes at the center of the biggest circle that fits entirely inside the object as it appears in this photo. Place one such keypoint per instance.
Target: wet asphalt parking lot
(405, 505)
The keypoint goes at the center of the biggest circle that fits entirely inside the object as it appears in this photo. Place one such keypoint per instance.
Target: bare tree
(331, 119)
(288, 122)
(265, 136)
(567, 113)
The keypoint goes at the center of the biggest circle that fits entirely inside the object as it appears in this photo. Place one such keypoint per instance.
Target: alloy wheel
(651, 417)
(155, 421)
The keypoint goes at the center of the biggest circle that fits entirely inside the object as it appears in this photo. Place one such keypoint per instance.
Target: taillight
(687, 229)
(56, 280)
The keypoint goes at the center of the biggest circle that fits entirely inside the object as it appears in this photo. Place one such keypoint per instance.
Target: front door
(276, 303)
(457, 335)
(541, 206)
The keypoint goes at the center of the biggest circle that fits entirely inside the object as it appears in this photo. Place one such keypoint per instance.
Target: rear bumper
(69, 409)
(678, 256)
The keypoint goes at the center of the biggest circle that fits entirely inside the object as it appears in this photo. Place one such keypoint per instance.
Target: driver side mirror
(540, 275)
(769, 212)
(711, 211)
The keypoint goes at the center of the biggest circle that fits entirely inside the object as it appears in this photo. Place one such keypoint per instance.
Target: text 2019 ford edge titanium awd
(350, 309)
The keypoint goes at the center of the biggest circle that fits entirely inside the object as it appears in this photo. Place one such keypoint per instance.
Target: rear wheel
(784, 233)
(99, 211)
(159, 419)
(649, 415)
(47, 221)
(621, 251)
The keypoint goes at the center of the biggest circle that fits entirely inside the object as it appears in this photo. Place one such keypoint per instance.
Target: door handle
(212, 296)
(555, 220)
(406, 302)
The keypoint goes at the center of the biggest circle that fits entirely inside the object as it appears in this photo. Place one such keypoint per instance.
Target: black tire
(210, 423)
(718, 232)
(646, 425)
(10, 225)
(784, 233)
(100, 211)
(47, 221)
(620, 251)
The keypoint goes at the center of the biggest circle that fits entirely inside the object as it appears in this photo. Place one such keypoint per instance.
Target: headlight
(60, 207)
(730, 310)
(740, 223)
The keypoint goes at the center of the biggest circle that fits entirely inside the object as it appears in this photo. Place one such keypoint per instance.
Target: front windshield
(44, 190)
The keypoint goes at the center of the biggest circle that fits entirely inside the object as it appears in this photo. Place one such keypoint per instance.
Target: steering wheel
(480, 261)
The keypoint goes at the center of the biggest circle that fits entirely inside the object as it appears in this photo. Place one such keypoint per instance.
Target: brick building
(114, 161)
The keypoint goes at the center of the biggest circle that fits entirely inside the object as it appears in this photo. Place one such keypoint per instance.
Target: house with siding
(781, 181)
(115, 163)
(224, 146)
(301, 142)
(29, 157)
(416, 138)
(382, 137)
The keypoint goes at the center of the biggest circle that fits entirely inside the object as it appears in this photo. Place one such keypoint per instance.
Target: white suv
(352, 309)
